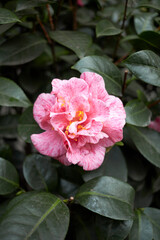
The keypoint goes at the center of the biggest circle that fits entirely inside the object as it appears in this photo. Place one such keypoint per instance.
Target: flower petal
(49, 143)
(41, 110)
(155, 124)
(96, 85)
(68, 89)
(89, 156)
(115, 120)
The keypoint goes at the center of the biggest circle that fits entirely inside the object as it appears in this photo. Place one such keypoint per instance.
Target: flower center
(78, 117)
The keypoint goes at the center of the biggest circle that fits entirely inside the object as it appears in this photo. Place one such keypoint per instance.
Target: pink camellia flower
(80, 120)
(155, 124)
(80, 3)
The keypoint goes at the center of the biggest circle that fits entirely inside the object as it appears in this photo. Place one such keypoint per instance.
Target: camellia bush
(80, 120)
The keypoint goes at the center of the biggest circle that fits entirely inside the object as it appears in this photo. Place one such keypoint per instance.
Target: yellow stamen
(80, 115)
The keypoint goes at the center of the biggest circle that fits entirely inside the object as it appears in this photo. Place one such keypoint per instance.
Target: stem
(44, 30)
(74, 14)
(154, 103)
(124, 81)
(121, 59)
(124, 15)
(122, 27)
(50, 17)
(58, 12)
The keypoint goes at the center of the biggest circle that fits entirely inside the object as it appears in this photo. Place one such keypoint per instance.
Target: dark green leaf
(9, 180)
(145, 65)
(151, 38)
(144, 21)
(6, 16)
(105, 68)
(106, 28)
(5, 27)
(113, 160)
(40, 172)
(21, 49)
(23, 4)
(147, 141)
(78, 42)
(11, 95)
(137, 113)
(39, 216)
(108, 197)
(27, 125)
(146, 225)
(8, 126)
(91, 226)
(148, 5)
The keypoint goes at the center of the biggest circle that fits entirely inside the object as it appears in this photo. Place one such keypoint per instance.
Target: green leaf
(105, 68)
(152, 38)
(27, 125)
(23, 4)
(114, 160)
(108, 197)
(78, 42)
(106, 28)
(21, 49)
(91, 226)
(8, 126)
(144, 21)
(39, 172)
(6, 16)
(148, 5)
(11, 95)
(5, 27)
(145, 65)
(137, 113)
(35, 215)
(147, 142)
(9, 180)
(146, 225)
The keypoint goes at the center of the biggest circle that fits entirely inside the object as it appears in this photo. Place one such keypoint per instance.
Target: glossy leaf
(147, 141)
(27, 125)
(78, 42)
(105, 68)
(106, 28)
(39, 172)
(137, 113)
(11, 95)
(9, 180)
(114, 160)
(145, 65)
(144, 22)
(35, 215)
(91, 226)
(21, 49)
(152, 38)
(23, 4)
(146, 225)
(6, 16)
(108, 197)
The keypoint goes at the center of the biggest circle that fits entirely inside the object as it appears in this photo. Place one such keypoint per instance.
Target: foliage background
(42, 40)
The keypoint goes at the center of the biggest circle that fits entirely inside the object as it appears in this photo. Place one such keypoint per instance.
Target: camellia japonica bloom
(155, 124)
(80, 120)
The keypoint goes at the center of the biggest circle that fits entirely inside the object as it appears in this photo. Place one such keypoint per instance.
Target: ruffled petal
(49, 143)
(67, 89)
(41, 110)
(96, 85)
(115, 122)
(89, 156)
